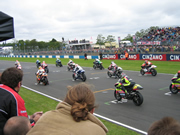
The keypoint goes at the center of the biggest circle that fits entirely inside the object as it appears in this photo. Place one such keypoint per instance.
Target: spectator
(165, 126)
(17, 125)
(126, 55)
(85, 56)
(100, 55)
(72, 116)
(11, 103)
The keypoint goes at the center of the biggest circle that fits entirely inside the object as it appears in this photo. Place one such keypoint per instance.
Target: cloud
(83, 19)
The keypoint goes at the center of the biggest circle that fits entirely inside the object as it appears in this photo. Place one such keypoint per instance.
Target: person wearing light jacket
(73, 116)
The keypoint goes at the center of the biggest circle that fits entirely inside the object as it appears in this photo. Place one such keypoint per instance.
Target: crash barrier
(154, 57)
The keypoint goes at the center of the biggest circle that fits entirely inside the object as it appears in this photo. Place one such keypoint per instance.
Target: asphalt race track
(158, 101)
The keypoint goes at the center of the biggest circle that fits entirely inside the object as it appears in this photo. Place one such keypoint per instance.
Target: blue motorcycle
(80, 75)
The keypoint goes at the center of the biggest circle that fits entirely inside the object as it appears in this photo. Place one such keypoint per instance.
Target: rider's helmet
(146, 62)
(119, 69)
(112, 62)
(40, 67)
(76, 65)
(70, 61)
(123, 75)
(16, 62)
(178, 74)
(57, 59)
(96, 59)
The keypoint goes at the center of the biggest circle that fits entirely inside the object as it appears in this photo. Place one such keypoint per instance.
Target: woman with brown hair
(72, 116)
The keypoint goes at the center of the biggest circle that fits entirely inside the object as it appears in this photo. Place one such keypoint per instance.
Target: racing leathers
(77, 69)
(11, 104)
(123, 83)
(39, 73)
(113, 67)
(146, 65)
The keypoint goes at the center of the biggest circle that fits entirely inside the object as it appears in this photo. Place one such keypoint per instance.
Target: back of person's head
(11, 77)
(82, 100)
(165, 126)
(17, 125)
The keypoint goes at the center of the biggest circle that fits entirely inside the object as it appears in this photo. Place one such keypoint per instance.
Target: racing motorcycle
(131, 93)
(45, 67)
(80, 75)
(43, 78)
(58, 63)
(111, 73)
(175, 85)
(70, 66)
(151, 70)
(19, 67)
(38, 64)
(98, 65)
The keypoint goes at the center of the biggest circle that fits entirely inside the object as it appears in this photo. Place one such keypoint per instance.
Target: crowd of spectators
(162, 34)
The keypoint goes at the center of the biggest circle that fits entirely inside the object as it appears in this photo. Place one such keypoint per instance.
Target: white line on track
(102, 117)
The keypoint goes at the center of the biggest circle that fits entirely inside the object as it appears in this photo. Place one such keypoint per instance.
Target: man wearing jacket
(11, 103)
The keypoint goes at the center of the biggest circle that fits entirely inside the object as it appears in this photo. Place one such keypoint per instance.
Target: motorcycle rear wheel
(117, 96)
(173, 91)
(153, 72)
(138, 99)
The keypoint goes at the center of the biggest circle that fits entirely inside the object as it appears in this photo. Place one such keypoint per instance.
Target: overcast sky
(82, 19)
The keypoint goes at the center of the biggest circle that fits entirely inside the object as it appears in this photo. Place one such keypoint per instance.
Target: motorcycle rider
(17, 64)
(147, 64)
(57, 61)
(37, 61)
(39, 73)
(176, 79)
(97, 61)
(113, 67)
(71, 64)
(124, 83)
(43, 64)
(76, 69)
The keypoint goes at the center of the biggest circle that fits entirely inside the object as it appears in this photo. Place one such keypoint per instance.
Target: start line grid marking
(100, 116)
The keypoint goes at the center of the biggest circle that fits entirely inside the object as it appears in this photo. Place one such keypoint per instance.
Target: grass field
(168, 67)
(41, 103)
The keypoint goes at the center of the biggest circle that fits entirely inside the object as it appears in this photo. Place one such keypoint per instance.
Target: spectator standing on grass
(73, 116)
(85, 56)
(165, 126)
(17, 125)
(100, 55)
(11, 103)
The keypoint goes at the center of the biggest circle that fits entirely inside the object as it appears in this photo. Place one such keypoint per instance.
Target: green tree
(100, 39)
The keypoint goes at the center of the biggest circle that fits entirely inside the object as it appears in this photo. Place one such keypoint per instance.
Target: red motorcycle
(151, 70)
(45, 67)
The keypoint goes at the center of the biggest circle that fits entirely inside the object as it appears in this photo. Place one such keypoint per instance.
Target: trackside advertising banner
(131, 56)
(110, 56)
(173, 57)
(156, 57)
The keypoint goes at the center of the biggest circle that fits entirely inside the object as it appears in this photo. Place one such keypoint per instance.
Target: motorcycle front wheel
(83, 77)
(73, 76)
(138, 99)
(173, 91)
(109, 74)
(45, 81)
(94, 66)
(142, 72)
(153, 72)
(117, 96)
